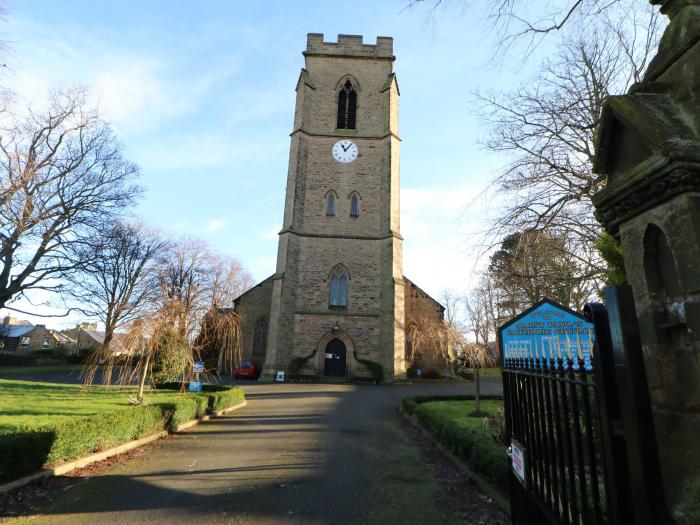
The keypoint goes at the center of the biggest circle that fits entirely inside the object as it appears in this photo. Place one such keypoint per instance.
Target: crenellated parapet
(350, 46)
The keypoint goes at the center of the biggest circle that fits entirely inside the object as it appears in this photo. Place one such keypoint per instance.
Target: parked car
(248, 369)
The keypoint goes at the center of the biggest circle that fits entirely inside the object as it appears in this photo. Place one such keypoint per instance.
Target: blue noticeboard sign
(199, 367)
(195, 386)
(547, 332)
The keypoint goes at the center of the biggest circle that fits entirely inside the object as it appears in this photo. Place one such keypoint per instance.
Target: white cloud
(137, 88)
(440, 226)
(215, 225)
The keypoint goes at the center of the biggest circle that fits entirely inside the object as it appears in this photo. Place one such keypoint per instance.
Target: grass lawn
(46, 423)
(30, 404)
(468, 436)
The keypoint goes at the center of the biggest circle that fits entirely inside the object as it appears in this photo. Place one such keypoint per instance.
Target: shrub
(496, 425)
(223, 398)
(172, 357)
(375, 368)
(42, 353)
(79, 357)
(26, 450)
(7, 359)
(470, 438)
(185, 408)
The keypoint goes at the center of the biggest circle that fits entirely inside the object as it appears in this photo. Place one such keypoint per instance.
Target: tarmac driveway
(310, 453)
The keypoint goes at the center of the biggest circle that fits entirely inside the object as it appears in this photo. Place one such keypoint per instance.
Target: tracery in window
(260, 337)
(347, 106)
(338, 287)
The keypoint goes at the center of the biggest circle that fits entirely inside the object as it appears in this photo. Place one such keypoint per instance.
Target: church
(338, 304)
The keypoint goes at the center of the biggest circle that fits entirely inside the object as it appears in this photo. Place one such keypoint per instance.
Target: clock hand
(344, 148)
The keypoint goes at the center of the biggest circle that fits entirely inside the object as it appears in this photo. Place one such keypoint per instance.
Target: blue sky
(202, 97)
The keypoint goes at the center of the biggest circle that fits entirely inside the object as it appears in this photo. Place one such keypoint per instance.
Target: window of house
(347, 106)
(330, 204)
(354, 206)
(338, 287)
(45, 344)
(24, 343)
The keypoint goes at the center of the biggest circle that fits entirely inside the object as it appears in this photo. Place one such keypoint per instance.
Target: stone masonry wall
(313, 243)
(254, 306)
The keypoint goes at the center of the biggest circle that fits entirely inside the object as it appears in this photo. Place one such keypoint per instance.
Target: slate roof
(14, 330)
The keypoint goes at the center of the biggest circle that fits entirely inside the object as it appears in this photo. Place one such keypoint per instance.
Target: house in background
(86, 336)
(21, 336)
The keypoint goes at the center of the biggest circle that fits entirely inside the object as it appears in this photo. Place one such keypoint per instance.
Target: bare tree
(227, 280)
(194, 280)
(62, 178)
(548, 127)
(484, 318)
(183, 276)
(517, 19)
(115, 284)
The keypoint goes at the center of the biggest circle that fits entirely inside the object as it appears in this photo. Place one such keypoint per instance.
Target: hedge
(28, 449)
(473, 446)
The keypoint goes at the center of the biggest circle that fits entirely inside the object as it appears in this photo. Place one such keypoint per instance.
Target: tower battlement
(349, 45)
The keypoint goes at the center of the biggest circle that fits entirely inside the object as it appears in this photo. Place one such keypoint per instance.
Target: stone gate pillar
(649, 147)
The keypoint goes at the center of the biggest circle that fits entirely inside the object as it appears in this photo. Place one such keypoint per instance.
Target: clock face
(345, 151)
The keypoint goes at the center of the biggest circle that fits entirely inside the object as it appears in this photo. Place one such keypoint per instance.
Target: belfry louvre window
(339, 287)
(347, 107)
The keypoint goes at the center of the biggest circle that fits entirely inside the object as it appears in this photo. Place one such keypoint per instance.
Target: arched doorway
(335, 358)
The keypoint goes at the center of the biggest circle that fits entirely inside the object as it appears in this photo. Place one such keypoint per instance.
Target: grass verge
(43, 423)
(447, 419)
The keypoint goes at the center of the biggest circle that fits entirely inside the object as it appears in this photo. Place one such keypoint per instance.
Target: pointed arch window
(260, 337)
(330, 204)
(347, 106)
(338, 287)
(354, 205)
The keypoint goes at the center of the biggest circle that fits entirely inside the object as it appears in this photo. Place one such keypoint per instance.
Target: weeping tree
(156, 351)
(169, 295)
(428, 336)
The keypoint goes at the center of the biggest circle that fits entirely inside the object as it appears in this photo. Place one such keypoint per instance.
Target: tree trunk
(142, 381)
(477, 397)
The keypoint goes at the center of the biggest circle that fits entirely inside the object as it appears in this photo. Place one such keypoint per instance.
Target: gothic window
(330, 204)
(347, 106)
(339, 287)
(354, 205)
(260, 338)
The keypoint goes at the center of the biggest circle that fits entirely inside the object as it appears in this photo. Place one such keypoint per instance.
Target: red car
(248, 369)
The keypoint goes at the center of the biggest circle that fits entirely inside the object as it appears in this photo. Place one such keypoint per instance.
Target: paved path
(311, 454)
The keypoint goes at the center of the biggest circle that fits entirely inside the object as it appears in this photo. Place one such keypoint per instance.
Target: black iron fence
(553, 417)
(578, 417)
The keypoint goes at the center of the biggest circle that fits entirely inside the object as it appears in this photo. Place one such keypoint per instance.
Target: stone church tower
(337, 300)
